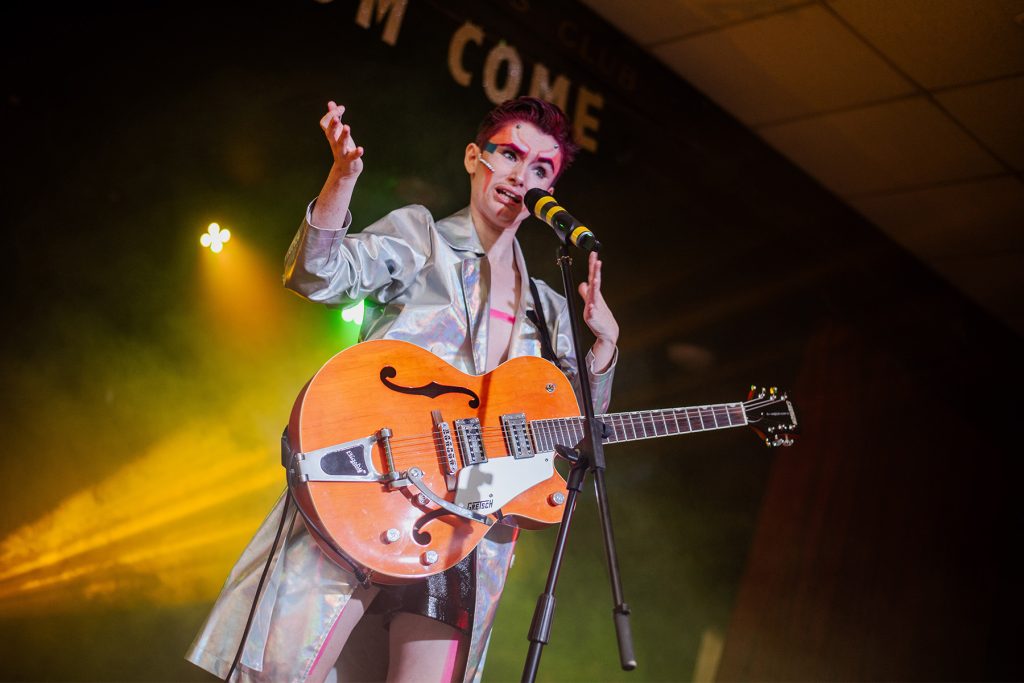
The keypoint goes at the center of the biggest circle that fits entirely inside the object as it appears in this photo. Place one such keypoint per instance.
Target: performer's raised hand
(332, 204)
(598, 316)
(348, 157)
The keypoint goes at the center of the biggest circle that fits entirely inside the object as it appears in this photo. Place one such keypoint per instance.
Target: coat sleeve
(379, 263)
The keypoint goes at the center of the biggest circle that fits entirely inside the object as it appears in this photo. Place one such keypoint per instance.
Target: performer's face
(517, 158)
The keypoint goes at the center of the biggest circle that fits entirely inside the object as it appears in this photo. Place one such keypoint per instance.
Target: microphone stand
(587, 455)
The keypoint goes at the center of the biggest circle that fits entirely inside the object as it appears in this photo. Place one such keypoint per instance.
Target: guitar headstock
(772, 416)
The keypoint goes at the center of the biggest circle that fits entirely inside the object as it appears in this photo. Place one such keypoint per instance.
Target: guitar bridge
(448, 449)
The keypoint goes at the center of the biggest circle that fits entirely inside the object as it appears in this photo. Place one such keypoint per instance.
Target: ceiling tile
(783, 66)
(648, 21)
(896, 145)
(969, 233)
(652, 21)
(992, 280)
(994, 112)
(980, 218)
(942, 42)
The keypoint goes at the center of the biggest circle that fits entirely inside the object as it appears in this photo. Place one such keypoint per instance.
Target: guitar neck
(643, 424)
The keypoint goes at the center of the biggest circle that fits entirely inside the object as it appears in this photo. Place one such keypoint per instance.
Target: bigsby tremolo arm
(414, 476)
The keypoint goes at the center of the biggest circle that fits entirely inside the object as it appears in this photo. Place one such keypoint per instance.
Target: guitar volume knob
(392, 535)
(429, 557)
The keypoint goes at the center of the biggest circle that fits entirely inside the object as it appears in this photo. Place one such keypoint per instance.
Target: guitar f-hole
(423, 537)
(432, 390)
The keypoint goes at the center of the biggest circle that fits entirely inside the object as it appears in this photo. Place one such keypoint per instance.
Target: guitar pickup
(471, 442)
(517, 439)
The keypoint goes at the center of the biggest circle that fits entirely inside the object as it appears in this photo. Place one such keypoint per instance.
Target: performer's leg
(350, 616)
(424, 650)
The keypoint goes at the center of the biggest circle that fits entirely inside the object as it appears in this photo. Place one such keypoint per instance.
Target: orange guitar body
(392, 530)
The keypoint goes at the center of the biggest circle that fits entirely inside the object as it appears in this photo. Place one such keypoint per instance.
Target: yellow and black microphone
(544, 206)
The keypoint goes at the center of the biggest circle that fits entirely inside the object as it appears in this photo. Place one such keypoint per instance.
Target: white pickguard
(488, 486)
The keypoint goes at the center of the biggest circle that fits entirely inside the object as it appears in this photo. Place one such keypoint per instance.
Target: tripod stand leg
(620, 611)
(544, 613)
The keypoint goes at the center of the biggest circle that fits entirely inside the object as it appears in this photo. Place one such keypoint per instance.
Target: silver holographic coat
(424, 282)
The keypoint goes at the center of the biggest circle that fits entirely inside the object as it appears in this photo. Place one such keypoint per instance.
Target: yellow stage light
(243, 296)
(215, 237)
(158, 530)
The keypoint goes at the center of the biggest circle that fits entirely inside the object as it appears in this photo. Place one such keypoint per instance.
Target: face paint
(512, 136)
(520, 157)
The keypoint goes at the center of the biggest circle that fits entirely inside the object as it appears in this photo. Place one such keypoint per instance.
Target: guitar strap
(536, 317)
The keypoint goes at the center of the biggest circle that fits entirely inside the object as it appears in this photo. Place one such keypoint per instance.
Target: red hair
(548, 118)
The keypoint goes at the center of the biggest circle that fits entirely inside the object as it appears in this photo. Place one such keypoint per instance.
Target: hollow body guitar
(402, 462)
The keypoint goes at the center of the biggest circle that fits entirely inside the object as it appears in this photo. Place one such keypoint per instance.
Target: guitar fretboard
(644, 424)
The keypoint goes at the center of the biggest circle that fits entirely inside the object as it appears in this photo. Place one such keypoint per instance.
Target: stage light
(215, 237)
(354, 313)
(158, 530)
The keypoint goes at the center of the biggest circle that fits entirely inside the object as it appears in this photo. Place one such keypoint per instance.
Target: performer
(459, 288)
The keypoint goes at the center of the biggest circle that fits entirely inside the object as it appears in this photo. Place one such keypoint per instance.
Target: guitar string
(553, 426)
(403, 448)
(653, 416)
(635, 418)
(496, 443)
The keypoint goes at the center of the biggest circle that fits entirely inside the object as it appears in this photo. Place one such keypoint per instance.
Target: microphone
(544, 206)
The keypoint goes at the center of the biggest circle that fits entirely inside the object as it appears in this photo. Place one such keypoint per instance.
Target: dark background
(878, 548)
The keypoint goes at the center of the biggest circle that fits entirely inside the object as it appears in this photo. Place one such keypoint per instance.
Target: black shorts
(449, 597)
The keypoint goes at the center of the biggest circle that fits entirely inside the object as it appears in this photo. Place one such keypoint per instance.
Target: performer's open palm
(348, 158)
(596, 313)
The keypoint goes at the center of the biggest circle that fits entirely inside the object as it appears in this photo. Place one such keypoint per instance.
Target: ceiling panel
(939, 43)
(982, 217)
(653, 21)
(836, 86)
(994, 112)
(649, 21)
(992, 280)
(969, 233)
(783, 66)
(901, 144)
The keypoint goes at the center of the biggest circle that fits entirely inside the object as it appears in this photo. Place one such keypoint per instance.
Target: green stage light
(354, 313)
